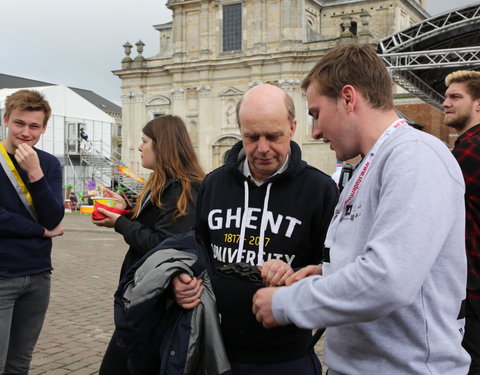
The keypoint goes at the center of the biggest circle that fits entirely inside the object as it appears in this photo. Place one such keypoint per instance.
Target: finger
(189, 301)
(280, 275)
(270, 266)
(293, 278)
(268, 324)
(303, 273)
(187, 290)
(269, 271)
(189, 306)
(285, 276)
(273, 277)
(22, 148)
(185, 277)
(104, 211)
(254, 304)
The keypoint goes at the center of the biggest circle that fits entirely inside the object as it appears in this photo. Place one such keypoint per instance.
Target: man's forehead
(25, 112)
(457, 87)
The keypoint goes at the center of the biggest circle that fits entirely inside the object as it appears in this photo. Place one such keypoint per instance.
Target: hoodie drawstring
(242, 225)
(263, 225)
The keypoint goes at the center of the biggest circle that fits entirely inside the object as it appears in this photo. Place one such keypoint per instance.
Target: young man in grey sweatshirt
(391, 287)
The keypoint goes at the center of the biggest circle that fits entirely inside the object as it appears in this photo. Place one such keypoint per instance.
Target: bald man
(268, 209)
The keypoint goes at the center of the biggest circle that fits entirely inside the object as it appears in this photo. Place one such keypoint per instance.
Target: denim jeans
(23, 304)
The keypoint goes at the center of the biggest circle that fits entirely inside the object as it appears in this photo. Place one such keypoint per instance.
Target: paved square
(79, 321)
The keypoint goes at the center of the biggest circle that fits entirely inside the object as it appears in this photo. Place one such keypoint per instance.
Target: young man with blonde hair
(391, 286)
(462, 113)
(31, 210)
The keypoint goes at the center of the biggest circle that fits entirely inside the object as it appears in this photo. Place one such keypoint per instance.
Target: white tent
(70, 112)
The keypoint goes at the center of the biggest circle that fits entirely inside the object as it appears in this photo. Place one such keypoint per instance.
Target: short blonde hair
(470, 78)
(27, 100)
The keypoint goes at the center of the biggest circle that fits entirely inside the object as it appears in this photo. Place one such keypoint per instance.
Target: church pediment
(158, 100)
(231, 91)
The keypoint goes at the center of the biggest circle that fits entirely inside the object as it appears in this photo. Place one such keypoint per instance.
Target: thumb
(185, 278)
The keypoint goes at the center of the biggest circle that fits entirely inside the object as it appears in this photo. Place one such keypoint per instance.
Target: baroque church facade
(213, 51)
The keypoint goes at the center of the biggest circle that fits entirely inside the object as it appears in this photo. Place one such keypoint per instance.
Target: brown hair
(27, 100)
(174, 158)
(356, 65)
(470, 78)
(288, 104)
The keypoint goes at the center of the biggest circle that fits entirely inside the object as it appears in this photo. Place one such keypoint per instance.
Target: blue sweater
(23, 249)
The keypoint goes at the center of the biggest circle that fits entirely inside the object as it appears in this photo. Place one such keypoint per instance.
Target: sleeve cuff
(120, 224)
(279, 301)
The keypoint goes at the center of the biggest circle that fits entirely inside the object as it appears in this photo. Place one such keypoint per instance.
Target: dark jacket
(154, 224)
(291, 212)
(159, 336)
(23, 249)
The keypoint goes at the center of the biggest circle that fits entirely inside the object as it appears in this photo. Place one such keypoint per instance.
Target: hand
(120, 203)
(187, 290)
(28, 160)
(262, 307)
(303, 273)
(275, 272)
(109, 221)
(57, 231)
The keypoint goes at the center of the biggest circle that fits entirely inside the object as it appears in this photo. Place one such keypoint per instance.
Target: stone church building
(213, 51)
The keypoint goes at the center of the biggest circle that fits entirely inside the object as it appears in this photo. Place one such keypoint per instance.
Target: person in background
(462, 113)
(266, 208)
(74, 200)
(83, 134)
(394, 272)
(165, 206)
(31, 211)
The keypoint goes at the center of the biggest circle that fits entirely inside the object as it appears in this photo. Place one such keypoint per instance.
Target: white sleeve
(418, 200)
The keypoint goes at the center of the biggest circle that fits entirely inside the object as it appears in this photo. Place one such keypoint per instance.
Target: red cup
(96, 215)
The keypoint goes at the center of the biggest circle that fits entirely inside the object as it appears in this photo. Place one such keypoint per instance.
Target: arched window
(221, 148)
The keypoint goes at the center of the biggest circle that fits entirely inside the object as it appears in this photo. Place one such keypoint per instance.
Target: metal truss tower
(421, 56)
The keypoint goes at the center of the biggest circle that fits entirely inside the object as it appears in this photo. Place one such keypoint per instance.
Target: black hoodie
(295, 208)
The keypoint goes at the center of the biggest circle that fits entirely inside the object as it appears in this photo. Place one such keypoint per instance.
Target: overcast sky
(79, 42)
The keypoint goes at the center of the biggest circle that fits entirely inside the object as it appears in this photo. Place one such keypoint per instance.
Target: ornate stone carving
(204, 91)
(178, 93)
(158, 100)
(289, 84)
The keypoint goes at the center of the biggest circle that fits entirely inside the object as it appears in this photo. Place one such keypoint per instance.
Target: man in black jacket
(264, 208)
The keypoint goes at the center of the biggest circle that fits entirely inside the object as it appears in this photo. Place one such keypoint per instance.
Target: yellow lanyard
(15, 173)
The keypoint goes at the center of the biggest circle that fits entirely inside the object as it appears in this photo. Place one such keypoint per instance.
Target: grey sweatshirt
(392, 292)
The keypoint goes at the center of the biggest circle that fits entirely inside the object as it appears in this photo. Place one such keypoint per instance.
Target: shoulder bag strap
(17, 181)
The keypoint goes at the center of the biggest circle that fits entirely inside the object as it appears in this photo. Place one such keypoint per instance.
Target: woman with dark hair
(165, 206)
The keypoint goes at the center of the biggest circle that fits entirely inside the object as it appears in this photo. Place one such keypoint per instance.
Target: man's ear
(477, 105)
(348, 97)
(293, 127)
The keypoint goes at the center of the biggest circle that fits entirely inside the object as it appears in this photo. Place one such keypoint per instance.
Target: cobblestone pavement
(79, 321)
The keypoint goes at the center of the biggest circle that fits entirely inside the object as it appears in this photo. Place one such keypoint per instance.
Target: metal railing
(105, 162)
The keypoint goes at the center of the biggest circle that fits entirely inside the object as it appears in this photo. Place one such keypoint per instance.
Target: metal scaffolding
(420, 57)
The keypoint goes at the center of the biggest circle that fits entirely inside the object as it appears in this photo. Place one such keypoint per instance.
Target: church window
(353, 28)
(232, 27)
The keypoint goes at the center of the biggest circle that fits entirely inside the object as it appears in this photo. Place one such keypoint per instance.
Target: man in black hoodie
(267, 208)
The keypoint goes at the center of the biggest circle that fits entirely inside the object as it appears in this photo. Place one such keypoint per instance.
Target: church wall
(281, 41)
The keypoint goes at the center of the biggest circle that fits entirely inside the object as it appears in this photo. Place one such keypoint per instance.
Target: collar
(245, 169)
(469, 133)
